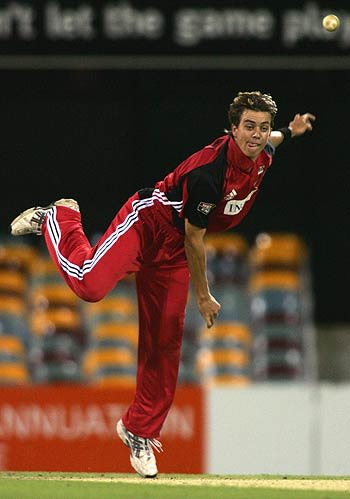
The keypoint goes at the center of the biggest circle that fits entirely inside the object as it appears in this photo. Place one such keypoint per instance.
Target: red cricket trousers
(141, 239)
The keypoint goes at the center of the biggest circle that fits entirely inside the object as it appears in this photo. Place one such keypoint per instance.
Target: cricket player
(159, 235)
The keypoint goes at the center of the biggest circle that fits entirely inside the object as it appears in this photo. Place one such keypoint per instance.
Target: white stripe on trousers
(77, 271)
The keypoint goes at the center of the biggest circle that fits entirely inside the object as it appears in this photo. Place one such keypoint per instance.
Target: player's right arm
(196, 257)
(300, 124)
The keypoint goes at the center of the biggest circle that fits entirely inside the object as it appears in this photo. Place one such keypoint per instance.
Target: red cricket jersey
(215, 187)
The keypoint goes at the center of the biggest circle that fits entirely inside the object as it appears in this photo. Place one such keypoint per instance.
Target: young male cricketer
(159, 235)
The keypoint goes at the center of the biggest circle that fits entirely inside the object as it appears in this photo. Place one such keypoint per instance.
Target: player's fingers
(309, 117)
(211, 320)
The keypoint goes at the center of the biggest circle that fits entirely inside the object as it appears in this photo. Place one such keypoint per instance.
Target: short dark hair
(255, 101)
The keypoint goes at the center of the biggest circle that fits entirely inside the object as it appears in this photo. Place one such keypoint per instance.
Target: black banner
(57, 27)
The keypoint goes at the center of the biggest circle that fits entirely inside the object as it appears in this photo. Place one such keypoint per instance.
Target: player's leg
(162, 296)
(90, 271)
(93, 271)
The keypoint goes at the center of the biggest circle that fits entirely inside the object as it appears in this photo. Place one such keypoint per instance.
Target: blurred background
(100, 99)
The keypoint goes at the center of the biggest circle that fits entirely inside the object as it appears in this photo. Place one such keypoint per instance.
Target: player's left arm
(196, 258)
(300, 124)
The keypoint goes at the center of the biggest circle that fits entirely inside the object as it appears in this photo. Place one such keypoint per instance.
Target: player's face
(253, 132)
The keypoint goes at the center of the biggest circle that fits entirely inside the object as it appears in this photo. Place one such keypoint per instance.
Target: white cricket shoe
(142, 458)
(31, 220)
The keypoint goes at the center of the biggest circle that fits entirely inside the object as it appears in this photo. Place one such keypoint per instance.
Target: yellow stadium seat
(102, 357)
(62, 318)
(226, 242)
(229, 330)
(13, 373)
(12, 304)
(12, 281)
(281, 279)
(53, 294)
(216, 356)
(121, 304)
(43, 266)
(278, 249)
(11, 345)
(19, 257)
(128, 331)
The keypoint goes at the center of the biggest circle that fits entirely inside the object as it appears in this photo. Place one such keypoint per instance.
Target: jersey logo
(231, 195)
(205, 208)
(235, 206)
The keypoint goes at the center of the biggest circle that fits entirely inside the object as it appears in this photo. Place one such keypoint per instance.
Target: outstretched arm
(300, 124)
(196, 257)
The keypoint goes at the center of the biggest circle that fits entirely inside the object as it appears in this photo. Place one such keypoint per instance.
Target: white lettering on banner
(69, 24)
(124, 21)
(179, 423)
(17, 20)
(195, 25)
(26, 422)
(58, 421)
(188, 26)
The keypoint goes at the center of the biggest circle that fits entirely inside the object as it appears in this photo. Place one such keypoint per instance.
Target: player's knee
(91, 295)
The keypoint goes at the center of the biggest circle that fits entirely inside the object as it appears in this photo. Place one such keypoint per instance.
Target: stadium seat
(126, 332)
(224, 355)
(101, 363)
(14, 373)
(278, 250)
(17, 256)
(12, 283)
(52, 295)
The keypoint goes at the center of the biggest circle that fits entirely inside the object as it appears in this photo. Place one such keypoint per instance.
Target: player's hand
(209, 309)
(301, 123)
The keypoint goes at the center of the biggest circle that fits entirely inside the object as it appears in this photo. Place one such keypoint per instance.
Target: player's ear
(234, 130)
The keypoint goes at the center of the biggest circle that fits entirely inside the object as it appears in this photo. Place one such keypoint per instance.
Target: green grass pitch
(16, 485)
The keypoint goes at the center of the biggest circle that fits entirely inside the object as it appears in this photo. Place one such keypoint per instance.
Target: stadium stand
(280, 312)
(112, 327)
(264, 331)
(224, 350)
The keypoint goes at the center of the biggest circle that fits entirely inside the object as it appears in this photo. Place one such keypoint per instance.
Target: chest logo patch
(234, 206)
(205, 208)
(231, 195)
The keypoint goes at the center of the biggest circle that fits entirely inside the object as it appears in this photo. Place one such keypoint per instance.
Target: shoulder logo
(205, 208)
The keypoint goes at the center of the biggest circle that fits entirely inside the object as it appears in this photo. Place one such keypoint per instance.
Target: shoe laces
(156, 444)
(140, 445)
(38, 218)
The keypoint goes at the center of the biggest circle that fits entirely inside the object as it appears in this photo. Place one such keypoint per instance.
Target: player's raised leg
(90, 271)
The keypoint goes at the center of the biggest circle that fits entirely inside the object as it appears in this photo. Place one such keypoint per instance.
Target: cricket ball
(331, 22)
